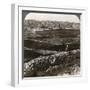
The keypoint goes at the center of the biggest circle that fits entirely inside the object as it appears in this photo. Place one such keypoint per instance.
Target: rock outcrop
(56, 64)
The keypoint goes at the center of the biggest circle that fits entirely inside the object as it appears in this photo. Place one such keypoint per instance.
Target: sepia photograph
(51, 44)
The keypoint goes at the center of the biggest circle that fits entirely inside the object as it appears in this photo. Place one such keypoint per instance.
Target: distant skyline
(52, 17)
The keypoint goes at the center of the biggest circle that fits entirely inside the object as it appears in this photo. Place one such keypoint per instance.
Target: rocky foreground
(61, 63)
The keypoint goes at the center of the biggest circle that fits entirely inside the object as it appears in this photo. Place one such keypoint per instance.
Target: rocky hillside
(56, 64)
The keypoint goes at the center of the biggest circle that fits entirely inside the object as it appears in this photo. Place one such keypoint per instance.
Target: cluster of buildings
(47, 25)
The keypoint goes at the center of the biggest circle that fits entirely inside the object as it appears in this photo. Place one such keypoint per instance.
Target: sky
(52, 17)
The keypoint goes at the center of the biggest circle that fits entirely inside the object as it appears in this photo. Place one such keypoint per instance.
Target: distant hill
(29, 24)
(44, 29)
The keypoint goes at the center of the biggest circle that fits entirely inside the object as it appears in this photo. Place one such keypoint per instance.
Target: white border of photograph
(16, 41)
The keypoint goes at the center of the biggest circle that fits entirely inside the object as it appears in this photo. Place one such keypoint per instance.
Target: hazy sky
(52, 17)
